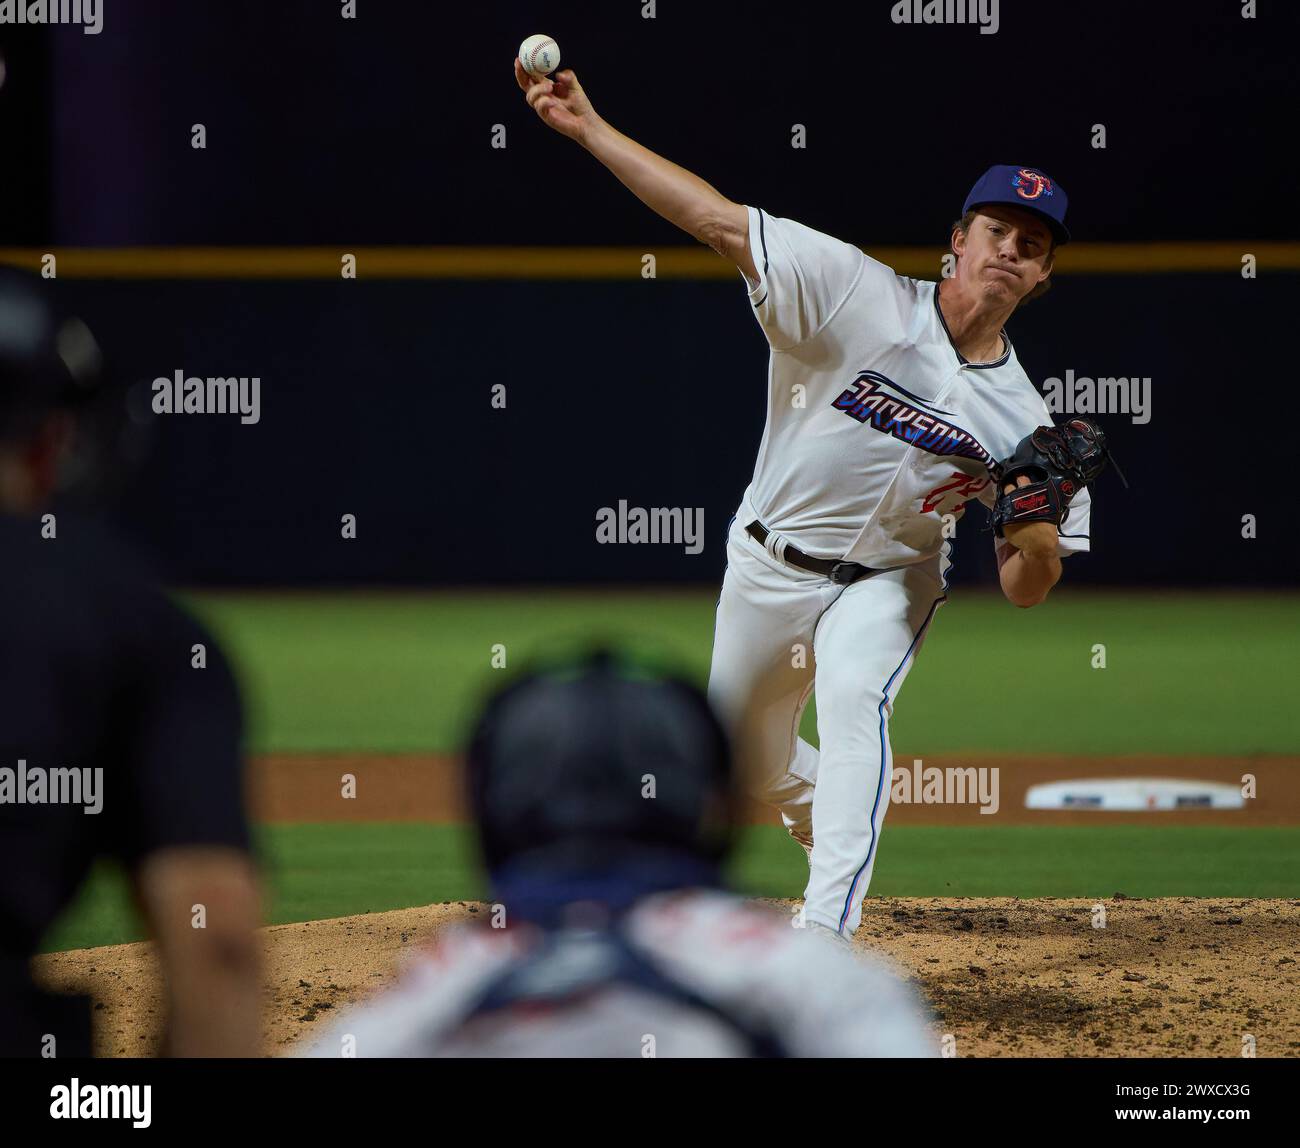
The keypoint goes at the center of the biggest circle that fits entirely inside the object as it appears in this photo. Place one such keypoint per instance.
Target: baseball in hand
(540, 55)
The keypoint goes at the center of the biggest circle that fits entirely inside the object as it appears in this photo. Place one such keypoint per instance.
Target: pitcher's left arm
(1036, 485)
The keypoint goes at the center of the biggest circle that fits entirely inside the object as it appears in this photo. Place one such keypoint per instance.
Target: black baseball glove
(1059, 462)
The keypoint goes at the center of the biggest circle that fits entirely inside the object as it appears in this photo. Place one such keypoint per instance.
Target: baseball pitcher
(891, 403)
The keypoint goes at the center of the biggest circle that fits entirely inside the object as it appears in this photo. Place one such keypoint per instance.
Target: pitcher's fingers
(522, 78)
(539, 89)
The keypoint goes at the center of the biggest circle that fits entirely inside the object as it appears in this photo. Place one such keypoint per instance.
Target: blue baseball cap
(1024, 187)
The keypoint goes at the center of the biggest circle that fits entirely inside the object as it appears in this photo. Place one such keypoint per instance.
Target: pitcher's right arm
(680, 196)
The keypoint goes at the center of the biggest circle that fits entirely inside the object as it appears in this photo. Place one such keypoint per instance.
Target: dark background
(377, 130)
(376, 394)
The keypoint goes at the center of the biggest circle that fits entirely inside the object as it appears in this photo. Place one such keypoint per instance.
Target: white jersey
(876, 425)
(756, 973)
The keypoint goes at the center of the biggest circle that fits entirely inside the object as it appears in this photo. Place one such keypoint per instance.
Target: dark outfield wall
(376, 401)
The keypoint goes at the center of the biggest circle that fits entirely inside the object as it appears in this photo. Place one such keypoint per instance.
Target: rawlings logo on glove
(1058, 461)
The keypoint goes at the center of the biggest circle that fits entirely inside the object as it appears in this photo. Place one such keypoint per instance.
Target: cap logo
(1030, 184)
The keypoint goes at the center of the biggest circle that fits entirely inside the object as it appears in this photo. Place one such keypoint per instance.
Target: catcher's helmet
(47, 360)
(596, 762)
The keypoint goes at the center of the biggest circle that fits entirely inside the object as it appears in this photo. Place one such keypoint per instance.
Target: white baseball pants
(780, 633)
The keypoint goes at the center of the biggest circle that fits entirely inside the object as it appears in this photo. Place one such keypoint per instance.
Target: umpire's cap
(47, 360)
(596, 761)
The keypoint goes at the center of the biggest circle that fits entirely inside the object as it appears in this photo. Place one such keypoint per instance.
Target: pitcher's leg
(760, 678)
(865, 643)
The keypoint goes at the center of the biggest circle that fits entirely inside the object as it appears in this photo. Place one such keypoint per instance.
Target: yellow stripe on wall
(590, 262)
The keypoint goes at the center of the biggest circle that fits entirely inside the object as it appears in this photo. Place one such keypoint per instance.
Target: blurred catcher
(603, 795)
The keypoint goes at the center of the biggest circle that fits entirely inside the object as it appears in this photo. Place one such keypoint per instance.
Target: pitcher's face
(1006, 253)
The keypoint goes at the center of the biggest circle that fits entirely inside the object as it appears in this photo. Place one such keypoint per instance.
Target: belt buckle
(842, 573)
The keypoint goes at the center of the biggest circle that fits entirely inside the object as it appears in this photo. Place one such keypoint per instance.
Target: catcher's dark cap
(1024, 187)
(590, 762)
(47, 360)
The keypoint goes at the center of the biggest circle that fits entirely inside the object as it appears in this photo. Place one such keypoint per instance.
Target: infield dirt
(1006, 977)
(291, 788)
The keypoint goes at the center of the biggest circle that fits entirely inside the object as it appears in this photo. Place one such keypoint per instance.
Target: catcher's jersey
(737, 970)
(876, 425)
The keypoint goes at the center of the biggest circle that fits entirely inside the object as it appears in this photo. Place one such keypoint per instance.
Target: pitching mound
(1006, 977)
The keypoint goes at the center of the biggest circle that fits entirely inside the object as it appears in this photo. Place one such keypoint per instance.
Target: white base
(1134, 795)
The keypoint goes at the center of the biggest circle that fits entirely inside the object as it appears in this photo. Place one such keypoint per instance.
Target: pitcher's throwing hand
(558, 99)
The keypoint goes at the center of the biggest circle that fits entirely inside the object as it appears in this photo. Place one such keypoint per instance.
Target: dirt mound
(309, 969)
(1005, 977)
(1164, 977)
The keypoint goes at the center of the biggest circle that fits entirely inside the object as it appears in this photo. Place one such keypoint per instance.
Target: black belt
(837, 571)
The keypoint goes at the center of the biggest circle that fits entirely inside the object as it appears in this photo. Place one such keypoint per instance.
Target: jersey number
(962, 484)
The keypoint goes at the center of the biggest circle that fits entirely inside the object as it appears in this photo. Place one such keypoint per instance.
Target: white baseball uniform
(736, 970)
(878, 431)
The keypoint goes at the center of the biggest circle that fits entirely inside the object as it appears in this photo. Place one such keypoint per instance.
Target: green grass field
(1191, 674)
(335, 870)
(1197, 674)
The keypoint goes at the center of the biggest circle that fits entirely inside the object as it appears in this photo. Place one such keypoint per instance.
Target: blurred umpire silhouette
(603, 793)
(113, 744)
